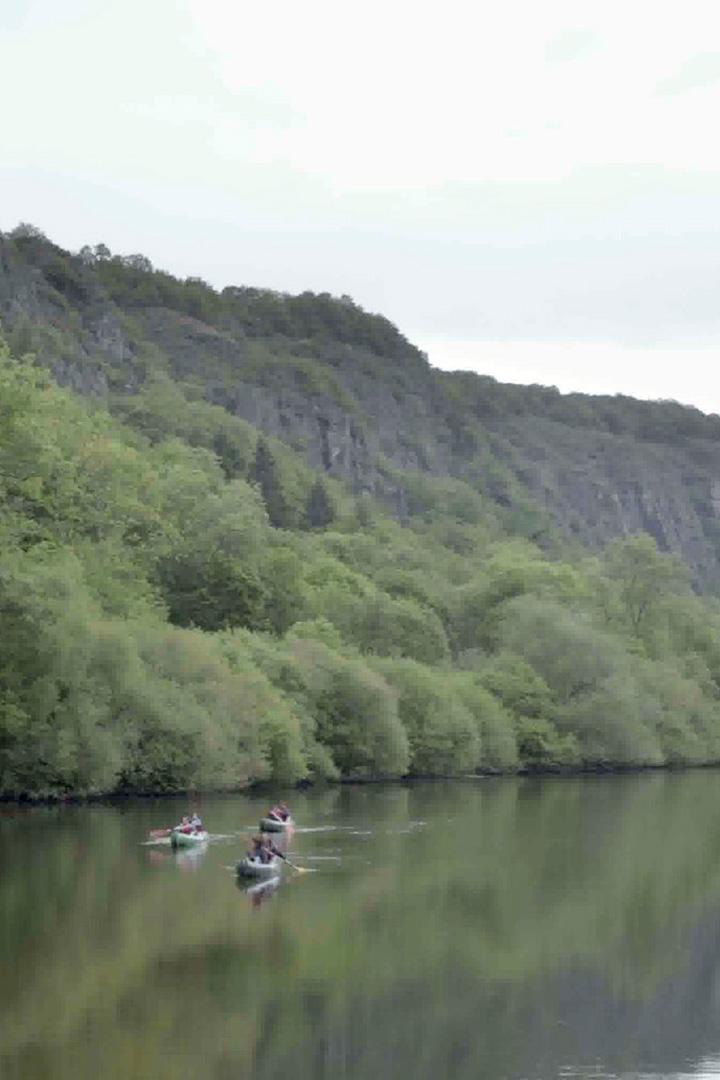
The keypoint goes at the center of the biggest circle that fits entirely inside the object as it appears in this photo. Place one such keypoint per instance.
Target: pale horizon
(605, 368)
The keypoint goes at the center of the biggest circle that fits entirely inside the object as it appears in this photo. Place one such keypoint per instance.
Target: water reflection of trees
(438, 946)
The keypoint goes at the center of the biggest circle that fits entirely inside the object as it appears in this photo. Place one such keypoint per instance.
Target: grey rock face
(108, 337)
(598, 486)
(595, 485)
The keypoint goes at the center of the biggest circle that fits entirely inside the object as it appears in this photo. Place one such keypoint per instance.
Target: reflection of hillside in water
(525, 925)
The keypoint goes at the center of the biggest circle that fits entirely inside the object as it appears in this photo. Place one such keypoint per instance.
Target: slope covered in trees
(357, 402)
(183, 602)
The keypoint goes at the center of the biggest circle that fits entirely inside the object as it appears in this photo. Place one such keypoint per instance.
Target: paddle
(156, 834)
(300, 869)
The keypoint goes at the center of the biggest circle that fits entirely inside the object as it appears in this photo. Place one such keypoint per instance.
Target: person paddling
(187, 825)
(263, 849)
(271, 851)
(259, 849)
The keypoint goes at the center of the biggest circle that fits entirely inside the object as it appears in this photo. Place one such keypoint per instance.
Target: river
(497, 928)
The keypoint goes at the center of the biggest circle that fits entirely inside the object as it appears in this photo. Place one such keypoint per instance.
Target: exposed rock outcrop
(366, 412)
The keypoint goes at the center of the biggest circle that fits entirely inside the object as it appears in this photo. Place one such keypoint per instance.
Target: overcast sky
(529, 189)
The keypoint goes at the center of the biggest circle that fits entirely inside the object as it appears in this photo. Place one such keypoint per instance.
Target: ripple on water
(708, 1069)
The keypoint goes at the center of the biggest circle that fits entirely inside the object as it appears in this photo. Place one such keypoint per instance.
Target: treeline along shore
(186, 603)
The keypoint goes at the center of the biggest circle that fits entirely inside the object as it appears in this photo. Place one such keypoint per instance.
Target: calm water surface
(493, 928)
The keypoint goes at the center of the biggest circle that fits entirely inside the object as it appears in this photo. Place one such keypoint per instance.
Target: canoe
(268, 824)
(180, 839)
(254, 868)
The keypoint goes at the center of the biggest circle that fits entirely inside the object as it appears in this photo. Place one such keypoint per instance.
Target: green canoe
(254, 868)
(268, 824)
(180, 839)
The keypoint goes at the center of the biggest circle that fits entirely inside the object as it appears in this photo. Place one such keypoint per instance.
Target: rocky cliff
(359, 402)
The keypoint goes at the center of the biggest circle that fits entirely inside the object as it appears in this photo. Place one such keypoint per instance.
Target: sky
(529, 190)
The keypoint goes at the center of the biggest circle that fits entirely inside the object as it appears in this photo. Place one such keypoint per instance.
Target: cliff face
(360, 403)
(594, 485)
(598, 485)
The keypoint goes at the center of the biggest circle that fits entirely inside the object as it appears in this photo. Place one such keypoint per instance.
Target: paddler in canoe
(262, 848)
(281, 812)
(189, 824)
(265, 851)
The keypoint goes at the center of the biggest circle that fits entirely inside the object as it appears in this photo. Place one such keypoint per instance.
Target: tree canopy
(185, 602)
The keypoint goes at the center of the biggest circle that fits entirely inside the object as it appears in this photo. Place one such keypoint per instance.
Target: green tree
(494, 724)
(518, 686)
(442, 734)
(265, 474)
(356, 712)
(281, 574)
(319, 510)
(515, 569)
(364, 511)
(211, 590)
(570, 654)
(640, 580)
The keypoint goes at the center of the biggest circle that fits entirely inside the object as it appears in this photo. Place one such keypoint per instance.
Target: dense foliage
(184, 603)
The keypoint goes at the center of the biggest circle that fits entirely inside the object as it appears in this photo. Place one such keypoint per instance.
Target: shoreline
(522, 772)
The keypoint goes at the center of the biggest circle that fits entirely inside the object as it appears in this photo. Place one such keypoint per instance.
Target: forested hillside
(347, 392)
(188, 599)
